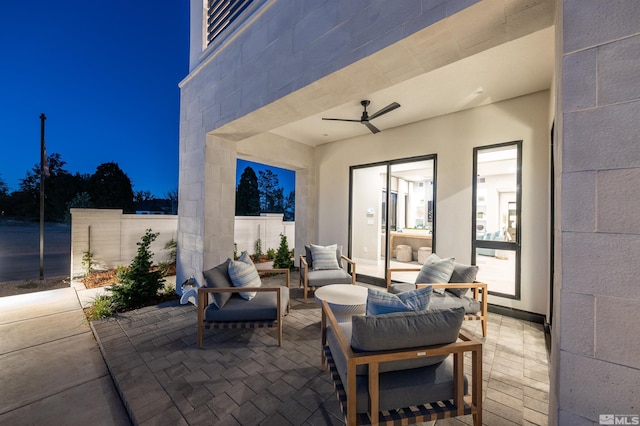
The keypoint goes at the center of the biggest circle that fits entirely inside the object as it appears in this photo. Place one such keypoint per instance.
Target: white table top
(342, 294)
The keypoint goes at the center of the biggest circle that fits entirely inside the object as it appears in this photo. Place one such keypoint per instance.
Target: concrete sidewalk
(51, 369)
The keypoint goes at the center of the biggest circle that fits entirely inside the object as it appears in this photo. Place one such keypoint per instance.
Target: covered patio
(242, 377)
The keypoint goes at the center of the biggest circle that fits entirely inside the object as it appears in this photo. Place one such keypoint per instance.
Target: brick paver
(240, 377)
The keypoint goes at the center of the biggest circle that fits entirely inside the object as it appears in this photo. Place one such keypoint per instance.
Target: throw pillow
(245, 257)
(324, 257)
(309, 256)
(436, 270)
(381, 302)
(218, 277)
(462, 274)
(244, 275)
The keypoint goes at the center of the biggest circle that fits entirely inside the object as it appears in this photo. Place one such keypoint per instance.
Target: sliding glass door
(392, 218)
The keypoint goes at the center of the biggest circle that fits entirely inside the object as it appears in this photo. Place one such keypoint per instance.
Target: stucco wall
(452, 138)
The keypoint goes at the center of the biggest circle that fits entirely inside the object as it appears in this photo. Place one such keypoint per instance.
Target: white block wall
(112, 237)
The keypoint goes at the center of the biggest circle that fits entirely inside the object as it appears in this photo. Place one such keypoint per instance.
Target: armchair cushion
(381, 302)
(244, 275)
(262, 307)
(436, 270)
(328, 276)
(218, 277)
(462, 274)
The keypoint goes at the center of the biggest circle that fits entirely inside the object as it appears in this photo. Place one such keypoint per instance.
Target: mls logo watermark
(619, 419)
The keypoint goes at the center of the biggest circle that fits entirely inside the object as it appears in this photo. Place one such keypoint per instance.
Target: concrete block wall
(596, 343)
(112, 237)
(268, 228)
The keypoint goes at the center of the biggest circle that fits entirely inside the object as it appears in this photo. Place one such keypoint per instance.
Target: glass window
(496, 218)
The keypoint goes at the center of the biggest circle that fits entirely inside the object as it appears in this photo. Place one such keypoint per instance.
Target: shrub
(271, 254)
(283, 258)
(87, 262)
(138, 284)
(258, 253)
(102, 307)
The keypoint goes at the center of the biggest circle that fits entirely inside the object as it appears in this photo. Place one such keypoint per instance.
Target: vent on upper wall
(221, 14)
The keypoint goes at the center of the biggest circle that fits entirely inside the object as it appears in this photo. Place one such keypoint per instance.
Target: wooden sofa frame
(480, 293)
(460, 405)
(304, 282)
(203, 303)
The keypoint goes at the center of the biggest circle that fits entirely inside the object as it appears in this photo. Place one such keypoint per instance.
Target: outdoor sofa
(403, 367)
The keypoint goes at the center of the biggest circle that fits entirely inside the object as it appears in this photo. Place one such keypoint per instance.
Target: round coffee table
(345, 300)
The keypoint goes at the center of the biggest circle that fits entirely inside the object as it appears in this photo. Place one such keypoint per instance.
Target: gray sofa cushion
(448, 300)
(404, 330)
(264, 306)
(462, 274)
(218, 277)
(405, 388)
(325, 277)
(397, 288)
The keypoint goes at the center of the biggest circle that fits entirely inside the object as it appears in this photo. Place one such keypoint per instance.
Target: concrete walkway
(51, 369)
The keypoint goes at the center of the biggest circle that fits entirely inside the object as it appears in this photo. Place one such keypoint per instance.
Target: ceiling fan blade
(371, 127)
(341, 119)
(385, 110)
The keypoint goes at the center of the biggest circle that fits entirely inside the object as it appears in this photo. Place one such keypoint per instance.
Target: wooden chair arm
(390, 270)
(353, 268)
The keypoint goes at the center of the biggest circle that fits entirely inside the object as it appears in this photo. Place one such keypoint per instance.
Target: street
(20, 250)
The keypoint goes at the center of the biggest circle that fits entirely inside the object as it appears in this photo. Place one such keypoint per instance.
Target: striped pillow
(324, 257)
(244, 275)
(245, 257)
(380, 302)
(436, 270)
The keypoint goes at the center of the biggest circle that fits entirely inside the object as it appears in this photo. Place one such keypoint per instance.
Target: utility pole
(43, 170)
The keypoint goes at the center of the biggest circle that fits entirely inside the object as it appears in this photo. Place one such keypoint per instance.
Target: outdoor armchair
(222, 304)
(321, 266)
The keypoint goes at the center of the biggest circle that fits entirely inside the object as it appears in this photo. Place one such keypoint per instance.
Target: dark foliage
(283, 255)
(138, 284)
(247, 194)
(110, 187)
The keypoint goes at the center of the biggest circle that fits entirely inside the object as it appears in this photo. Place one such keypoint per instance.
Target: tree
(290, 207)
(60, 188)
(143, 196)
(271, 193)
(172, 196)
(283, 255)
(110, 187)
(248, 194)
(4, 196)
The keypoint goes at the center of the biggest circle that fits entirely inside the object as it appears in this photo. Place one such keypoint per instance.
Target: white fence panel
(112, 236)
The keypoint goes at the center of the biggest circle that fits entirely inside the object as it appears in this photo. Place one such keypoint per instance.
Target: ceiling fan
(365, 118)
